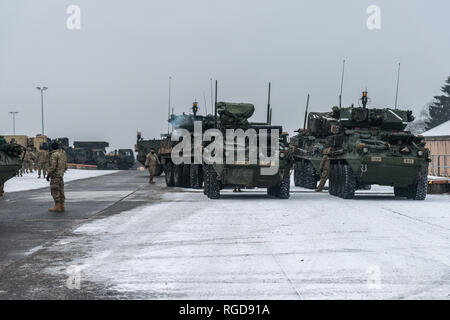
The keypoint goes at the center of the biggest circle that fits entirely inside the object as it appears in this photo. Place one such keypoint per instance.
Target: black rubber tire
(206, 180)
(214, 184)
(187, 175)
(196, 176)
(400, 192)
(283, 191)
(178, 175)
(159, 170)
(169, 174)
(273, 191)
(420, 189)
(298, 174)
(349, 182)
(310, 180)
(339, 180)
(333, 183)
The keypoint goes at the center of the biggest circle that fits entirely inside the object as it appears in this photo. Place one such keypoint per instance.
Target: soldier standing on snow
(151, 160)
(42, 160)
(324, 168)
(56, 170)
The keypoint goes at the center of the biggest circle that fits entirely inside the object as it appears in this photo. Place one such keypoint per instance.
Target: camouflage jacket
(42, 156)
(58, 163)
(151, 160)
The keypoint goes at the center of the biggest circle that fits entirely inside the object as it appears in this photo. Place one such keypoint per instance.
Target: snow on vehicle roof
(439, 131)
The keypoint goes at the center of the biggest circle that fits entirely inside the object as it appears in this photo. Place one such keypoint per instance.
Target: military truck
(89, 153)
(371, 146)
(122, 159)
(143, 147)
(244, 172)
(11, 155)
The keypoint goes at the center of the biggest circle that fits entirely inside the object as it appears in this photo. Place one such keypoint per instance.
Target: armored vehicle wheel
(206, 180)
(419, 190)
(178, 175)
(298, 174)
(283, 191)
(401, 192)
(187, 175)
(273, 191)
(339, 180)
(196, 176)
(332, 180)
(349, 182)
(169, 174)
(214, 184)
(159, 170)
(310, 181)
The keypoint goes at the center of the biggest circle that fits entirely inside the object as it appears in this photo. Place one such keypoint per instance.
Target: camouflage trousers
(27, 167)
(42, 168)
(57, 189)
(323, 179)
(152, 170)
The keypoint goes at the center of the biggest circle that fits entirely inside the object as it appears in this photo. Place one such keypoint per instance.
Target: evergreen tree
(439, 110)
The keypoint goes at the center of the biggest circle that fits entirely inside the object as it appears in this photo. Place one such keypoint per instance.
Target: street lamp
(14, 121)
(42, 89)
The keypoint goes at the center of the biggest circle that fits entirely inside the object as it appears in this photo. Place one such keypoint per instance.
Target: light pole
(42, 89)
(14, 121)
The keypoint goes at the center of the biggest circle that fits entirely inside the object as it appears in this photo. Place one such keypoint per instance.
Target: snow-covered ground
(30, 181)
(248, 246)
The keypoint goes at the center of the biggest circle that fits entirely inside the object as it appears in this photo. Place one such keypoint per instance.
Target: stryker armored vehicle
(371, 146)
(189, 174)
(11, 155)
(308, 145)
(143, 147)
(253, 169)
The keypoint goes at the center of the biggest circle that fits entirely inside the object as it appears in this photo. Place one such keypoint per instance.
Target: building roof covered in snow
(442, 130)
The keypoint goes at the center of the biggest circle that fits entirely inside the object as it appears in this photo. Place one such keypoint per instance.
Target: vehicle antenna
(398, 82)
(306, 112)
(342, 84)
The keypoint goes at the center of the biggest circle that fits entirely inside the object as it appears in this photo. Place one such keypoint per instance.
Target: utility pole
(14, 121)
(42, 89)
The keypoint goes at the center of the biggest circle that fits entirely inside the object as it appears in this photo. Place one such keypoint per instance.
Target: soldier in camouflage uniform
(56, 170)
(2, 190)
(42, 160)
(28, 162)
(324, 168)
(151, 160)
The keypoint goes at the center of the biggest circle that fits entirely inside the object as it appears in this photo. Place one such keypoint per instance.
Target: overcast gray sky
(110, 78)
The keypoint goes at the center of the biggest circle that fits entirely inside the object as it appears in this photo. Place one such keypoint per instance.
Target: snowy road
(247, 246)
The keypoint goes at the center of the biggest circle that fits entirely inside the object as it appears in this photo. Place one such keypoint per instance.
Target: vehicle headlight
(282, 155)
(420, 153)
(365, 149)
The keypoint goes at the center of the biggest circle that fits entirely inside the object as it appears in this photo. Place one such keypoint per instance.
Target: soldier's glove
(48, 178)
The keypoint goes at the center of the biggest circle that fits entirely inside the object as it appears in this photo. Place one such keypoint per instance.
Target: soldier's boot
(55, 208)
(61, 207)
